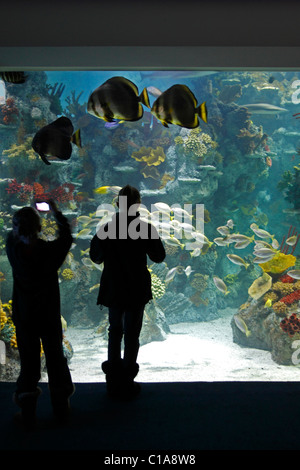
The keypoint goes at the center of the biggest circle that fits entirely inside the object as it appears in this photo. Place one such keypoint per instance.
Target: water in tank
(216, 159)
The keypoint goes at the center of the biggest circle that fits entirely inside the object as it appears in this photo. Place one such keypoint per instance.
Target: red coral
(25, 191)
(9, 111)
(291, 298)
(39, 191)
(291, 325)
(287, 279)
(63, 193)
(13, 187)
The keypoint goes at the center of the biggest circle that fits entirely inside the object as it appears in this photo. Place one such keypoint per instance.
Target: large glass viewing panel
(223, 188)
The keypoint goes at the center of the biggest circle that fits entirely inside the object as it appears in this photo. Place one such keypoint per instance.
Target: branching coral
(198, 143)
(49, 229)
(291, 298)
(22, 150)
(283, 288)
(279, 308)
(25, 192)
(8, 111)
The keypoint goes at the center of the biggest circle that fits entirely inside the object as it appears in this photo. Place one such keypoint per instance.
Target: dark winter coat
(125, 280)
(36, 297)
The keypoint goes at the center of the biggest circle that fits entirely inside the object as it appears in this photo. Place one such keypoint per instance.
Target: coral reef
(67, 274)
(9, 112)
(21, 150)
(26, 192)
(290, 186)
(7, 328)
(158, 286)
(291, 325)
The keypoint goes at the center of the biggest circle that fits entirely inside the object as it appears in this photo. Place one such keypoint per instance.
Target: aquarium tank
(216, 158)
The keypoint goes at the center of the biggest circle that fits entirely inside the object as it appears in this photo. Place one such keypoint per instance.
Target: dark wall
(149, 23)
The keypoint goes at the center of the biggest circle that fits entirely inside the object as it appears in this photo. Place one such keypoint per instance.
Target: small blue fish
(112, 125)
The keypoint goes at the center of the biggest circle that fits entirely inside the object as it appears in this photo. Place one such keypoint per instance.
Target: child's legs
(29, 347)
(132, 327)
(115, 334)
(59, 376)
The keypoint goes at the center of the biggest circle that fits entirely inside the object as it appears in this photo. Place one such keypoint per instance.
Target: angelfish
(178, 105)
(55, 140)
(117, 98)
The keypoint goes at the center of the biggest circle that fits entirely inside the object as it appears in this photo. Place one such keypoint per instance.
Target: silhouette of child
(125, 287)
(36, 309)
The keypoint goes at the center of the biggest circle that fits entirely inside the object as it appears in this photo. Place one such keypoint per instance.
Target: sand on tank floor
(202, 351)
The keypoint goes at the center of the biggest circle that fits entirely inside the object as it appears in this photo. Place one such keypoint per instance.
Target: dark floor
(166, 416)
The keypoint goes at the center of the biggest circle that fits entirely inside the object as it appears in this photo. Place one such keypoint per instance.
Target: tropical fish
(188, 270)
(13, 77)
(113, 124)
(221, 241)
(263, 259)
(264, 108)
(106, 189)
(260, 232)
(84, 219)
(178, 211)
(230, 223)
(89, 264)
(238, 260)
(55, 139)
(264, 252)
(154, 91)
(291, 240)
(263, 243)
(85, 233)
(171, 274)
(118, 98)
(241, 325)
(172, 241)
(295, 273)
(269, 161)
(242, 244)
(96, 286)
(224, 230)
(63, 323)
(220, 285)
(163, 207)
(275, 244)
(178, 105)
(268, 303)
(196, 252)
(239, 237)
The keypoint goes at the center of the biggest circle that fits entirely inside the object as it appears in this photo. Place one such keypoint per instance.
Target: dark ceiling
(149, 23)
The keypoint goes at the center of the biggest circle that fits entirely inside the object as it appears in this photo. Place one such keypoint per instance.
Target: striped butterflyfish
(178, 105)
(118, 98)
